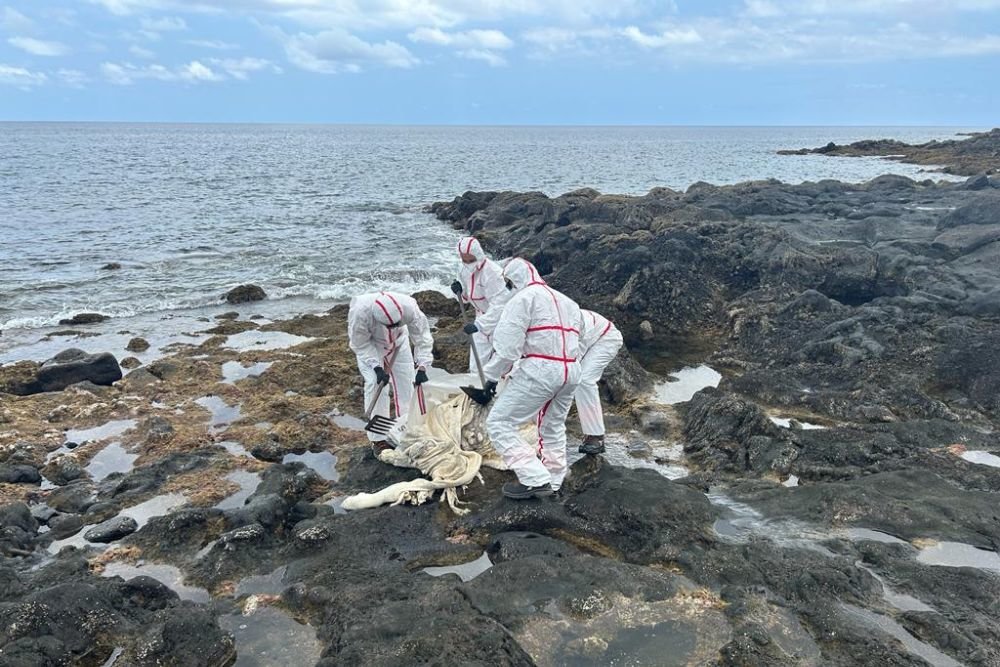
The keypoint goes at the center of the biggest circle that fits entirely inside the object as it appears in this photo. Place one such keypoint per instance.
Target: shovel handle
(381, 385)
(472, 343)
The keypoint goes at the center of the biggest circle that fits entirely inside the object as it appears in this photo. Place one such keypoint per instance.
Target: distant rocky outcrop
(979, 154)
(83, 318)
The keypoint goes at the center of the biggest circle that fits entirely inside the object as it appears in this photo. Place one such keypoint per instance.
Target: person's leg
(552, 434)
(518, 404)
(382, 407)
(588, 397)
(401, 377)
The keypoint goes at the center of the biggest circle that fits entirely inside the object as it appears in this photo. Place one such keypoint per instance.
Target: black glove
(482, 396)
(470, 328)
(456, 287)
(420, 378)
(381, 376)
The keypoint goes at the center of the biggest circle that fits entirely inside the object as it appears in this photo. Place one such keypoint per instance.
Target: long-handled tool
(378, 423)
(457, 289)
(481, 396)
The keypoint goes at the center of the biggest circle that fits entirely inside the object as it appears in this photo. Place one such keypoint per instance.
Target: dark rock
(157, 428)
(436, 304)
(130, 363)
(65, 525)
(17, 529)
(19, 474)
(112, 529)
(111, 266)
(977, 182)
(245, 294)
(84, 318)
(70, 367)
(74, 498)
(64, 469)
(984, 209)
(231, 315)
(137, 345)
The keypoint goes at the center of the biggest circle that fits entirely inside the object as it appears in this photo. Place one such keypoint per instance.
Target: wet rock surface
(245, 294)
(828, 517)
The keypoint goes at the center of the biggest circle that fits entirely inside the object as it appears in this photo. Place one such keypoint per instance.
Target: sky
(517, 62)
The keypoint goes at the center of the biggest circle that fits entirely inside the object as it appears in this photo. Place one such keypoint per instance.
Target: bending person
(541, 328)
(377, 325)
(481, 284)
(599, 344)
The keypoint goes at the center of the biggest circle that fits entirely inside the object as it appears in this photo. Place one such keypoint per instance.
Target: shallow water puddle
(465, 571)
(791, 482)
(349, 422)
(248, 481)
(860, 534)
(982, 458)
(664, 457)
(112, 429)
(168, 575)
(222, 413)
(268, 637)
(687, 382)
(234, 448)
(786, 422)
(264, 340)
(900, 601)
(233, 371)
(894, 629)
(141, 513)
(111, 459)
(113, 658)
(324, 463)
(271, 583)
(956, 554)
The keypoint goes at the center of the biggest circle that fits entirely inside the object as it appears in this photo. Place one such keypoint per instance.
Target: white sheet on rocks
(448, 445)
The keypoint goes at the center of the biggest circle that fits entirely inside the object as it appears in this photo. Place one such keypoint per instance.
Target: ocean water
(315, 214)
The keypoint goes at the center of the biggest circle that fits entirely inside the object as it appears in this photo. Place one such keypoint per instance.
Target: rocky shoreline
(979, 153)
(824, 518)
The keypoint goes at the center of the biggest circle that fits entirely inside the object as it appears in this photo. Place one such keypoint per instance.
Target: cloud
(73, 77)
(20, 77)
(241, 68)
(140, 52)
(471, 44)
(164, 24)
(777, 8)
(126, 74)
(670, 37)
(37, 47)
(214, 44)
(492, 58)
(333, 51)
(470, 39)
(14, 21)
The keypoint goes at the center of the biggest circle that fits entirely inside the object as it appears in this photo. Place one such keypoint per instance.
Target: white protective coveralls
(541, 328)
(484, 289)
(378, 324)
(599, 345)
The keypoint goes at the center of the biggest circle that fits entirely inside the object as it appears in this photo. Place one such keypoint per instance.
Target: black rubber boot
(592, 444)
(518, 491)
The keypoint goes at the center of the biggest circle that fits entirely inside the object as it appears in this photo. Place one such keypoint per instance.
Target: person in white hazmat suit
(540, 328)
(377, 325)
(481, 285)
(600, 342)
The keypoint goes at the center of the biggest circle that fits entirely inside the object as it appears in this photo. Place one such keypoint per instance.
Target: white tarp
(447, 441)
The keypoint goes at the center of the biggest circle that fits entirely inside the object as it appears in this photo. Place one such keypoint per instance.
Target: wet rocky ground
(806, 474)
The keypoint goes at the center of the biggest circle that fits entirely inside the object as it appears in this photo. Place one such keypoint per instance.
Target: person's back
(380, 329)
(540, 327)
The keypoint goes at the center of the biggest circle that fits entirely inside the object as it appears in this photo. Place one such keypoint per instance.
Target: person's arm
(509, 337)
(420, 336)
(360, 338)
